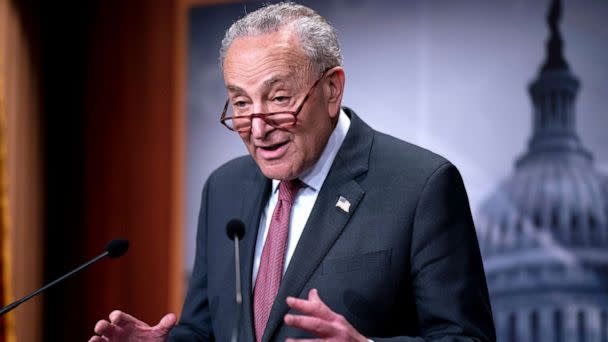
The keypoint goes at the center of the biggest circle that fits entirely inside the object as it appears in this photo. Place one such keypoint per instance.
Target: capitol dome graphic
(544, 231)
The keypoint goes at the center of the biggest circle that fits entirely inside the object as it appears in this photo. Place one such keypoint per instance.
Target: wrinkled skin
(269, 73)
(123, 327)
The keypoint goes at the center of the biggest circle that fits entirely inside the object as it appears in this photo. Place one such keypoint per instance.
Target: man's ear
(334, 89)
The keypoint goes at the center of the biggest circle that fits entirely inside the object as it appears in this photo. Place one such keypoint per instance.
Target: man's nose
(259, 128)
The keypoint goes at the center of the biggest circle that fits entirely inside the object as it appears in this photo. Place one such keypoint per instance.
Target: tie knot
(289, 189)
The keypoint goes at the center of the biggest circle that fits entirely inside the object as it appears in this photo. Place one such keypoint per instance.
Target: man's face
(269, 73)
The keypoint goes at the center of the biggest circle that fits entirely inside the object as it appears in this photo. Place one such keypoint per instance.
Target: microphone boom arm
(15, 304)
(114, 249)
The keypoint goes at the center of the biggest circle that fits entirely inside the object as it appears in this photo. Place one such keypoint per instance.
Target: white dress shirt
(305, 199)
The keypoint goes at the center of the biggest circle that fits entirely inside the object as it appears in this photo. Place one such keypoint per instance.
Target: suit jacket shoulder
(236, 170)
(405, 155)
(391, 164)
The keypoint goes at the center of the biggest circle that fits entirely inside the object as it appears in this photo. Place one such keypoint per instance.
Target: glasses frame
(263, 116)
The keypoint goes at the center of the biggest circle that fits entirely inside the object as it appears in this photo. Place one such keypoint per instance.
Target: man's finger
(314, 325)
(313, 306)
(122, 319)
(302, 305)
(314, 294)
(167, 322)
(105, 328)
(99, 339)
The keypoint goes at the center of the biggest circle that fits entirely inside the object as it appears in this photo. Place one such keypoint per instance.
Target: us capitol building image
(544, 231)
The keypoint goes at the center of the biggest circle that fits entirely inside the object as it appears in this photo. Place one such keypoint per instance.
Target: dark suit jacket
(402, 264)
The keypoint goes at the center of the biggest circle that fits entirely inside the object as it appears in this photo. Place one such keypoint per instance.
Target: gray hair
(318, 39)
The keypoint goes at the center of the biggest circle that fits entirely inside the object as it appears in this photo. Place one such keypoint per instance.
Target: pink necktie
(270, 271)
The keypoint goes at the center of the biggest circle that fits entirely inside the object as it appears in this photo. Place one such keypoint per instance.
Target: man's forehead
(270, 80)
(268, 58)
(272, 70)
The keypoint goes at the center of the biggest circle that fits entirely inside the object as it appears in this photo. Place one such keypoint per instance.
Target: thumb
(167, 322)
(313, 294)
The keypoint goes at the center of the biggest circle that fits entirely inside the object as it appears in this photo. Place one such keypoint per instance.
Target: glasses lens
(280, 120)
(242, 123)
(238, 121)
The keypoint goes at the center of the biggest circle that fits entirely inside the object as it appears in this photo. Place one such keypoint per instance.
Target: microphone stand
(239, 292)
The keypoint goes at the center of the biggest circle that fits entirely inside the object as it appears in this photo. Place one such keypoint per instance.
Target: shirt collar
(315, 177)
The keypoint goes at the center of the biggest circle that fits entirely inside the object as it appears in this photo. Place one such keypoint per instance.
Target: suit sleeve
(195, 320)
(449, 283)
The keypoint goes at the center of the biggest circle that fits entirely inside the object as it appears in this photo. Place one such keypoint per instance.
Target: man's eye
(281, 99)
(239, 104)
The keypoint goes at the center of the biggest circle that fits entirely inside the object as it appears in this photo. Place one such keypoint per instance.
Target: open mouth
(274, 151)
(273, 147)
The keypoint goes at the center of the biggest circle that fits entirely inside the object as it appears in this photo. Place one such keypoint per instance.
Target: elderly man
(352, 235)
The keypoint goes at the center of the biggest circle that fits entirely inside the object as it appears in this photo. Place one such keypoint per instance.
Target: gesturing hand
(123, 327)
(318, 319)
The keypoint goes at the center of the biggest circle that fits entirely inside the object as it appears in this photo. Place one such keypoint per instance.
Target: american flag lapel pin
(343, 204)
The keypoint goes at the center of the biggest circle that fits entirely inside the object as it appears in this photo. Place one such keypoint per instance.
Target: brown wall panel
(21, 144)
(129, 163)
(133, 158)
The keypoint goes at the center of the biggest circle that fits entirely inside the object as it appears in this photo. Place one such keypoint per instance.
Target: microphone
(235, 230)
(117, 248)
(113, 249)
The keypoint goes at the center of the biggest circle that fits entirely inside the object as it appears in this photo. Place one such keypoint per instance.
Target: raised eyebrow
(267, 84)
(234, 89)
(272, 81)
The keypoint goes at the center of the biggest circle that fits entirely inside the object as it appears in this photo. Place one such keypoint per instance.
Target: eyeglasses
(282, 120)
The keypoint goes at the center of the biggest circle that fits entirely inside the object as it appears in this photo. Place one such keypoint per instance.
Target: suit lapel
(327, 220)
(258, 190)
